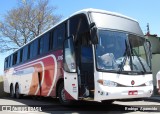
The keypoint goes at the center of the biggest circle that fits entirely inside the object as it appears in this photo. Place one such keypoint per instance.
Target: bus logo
(132, 82)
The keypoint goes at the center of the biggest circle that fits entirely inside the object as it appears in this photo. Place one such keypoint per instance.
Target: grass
(2, 93)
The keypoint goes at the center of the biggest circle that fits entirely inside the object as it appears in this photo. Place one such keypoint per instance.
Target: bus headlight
(107, 83)
(149, 83)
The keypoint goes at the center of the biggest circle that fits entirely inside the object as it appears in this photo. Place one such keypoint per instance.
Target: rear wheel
(61, 95)
(17, 93)
(12, 95)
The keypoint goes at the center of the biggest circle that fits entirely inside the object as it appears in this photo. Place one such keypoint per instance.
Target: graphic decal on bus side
(44, 75)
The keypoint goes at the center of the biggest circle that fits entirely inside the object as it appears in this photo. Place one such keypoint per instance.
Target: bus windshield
(119, 51)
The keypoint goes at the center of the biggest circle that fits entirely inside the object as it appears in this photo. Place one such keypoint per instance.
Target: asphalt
(154, 98)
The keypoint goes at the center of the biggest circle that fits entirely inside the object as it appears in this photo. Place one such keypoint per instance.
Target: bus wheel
(12, 95)
(17, 94)
(61, 95)
(107, 102)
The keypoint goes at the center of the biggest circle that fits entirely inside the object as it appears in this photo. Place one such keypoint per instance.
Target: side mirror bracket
(94, 33)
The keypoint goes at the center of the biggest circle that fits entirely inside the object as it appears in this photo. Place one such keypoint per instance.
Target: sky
(144, 11)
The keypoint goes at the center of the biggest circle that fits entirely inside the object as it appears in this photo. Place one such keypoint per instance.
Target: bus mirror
(94, 36)
(92, 25)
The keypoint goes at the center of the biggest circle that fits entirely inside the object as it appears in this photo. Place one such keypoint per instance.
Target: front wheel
(61, 95)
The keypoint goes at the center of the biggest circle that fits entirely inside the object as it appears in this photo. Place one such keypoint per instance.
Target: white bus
(92, 55)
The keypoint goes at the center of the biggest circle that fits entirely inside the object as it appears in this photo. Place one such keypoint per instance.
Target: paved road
(50, 105)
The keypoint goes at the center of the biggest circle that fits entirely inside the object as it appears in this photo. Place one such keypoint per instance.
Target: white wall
(155, 66)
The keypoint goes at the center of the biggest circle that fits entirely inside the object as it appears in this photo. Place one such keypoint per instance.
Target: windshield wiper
(134, 51)
(125, 57)
(144, 70)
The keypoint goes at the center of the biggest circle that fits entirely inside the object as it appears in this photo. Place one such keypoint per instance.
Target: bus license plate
(133, 92)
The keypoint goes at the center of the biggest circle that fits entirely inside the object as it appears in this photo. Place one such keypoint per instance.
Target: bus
(92, 55)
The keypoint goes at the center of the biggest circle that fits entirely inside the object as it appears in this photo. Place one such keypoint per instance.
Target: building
(155, 42)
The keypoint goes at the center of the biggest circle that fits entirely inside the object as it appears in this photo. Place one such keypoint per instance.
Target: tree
(23, 23)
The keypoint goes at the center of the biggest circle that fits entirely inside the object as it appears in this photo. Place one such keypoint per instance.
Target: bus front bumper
(113, 93)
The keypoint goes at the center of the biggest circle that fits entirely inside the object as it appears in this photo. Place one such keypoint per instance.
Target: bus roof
(78, 12)
(102, 11)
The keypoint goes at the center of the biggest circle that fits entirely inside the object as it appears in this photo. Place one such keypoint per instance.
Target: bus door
(70, 74)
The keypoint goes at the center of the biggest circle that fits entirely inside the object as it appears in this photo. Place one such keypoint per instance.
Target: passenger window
(35, 49)
(59, 36)
(31, 50)
(18, 57)
(25, 52)
(21, 55)
(28, 55)
(51, 40)
(9, 61)
(15, 58)
(5, 63)
(40, 45)
(46, 43)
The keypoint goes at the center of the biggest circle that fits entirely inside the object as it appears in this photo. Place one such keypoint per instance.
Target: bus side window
(6, 63)
(11, 60)
(29, 49)
(43, 44)
(62, 35)
(25, 52)
(35, 49)
(58, 36)
(46, 43)
(21, 55)
(40, 49)
(50, 40)
(18, 57)
(15, 58)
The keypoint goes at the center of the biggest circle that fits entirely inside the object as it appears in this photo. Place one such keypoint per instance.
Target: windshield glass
(118, 51)
(138, 53)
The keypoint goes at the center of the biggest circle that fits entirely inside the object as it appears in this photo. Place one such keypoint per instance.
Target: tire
(61, 95)
(12, 95)
(107, 102)
(17, 94)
